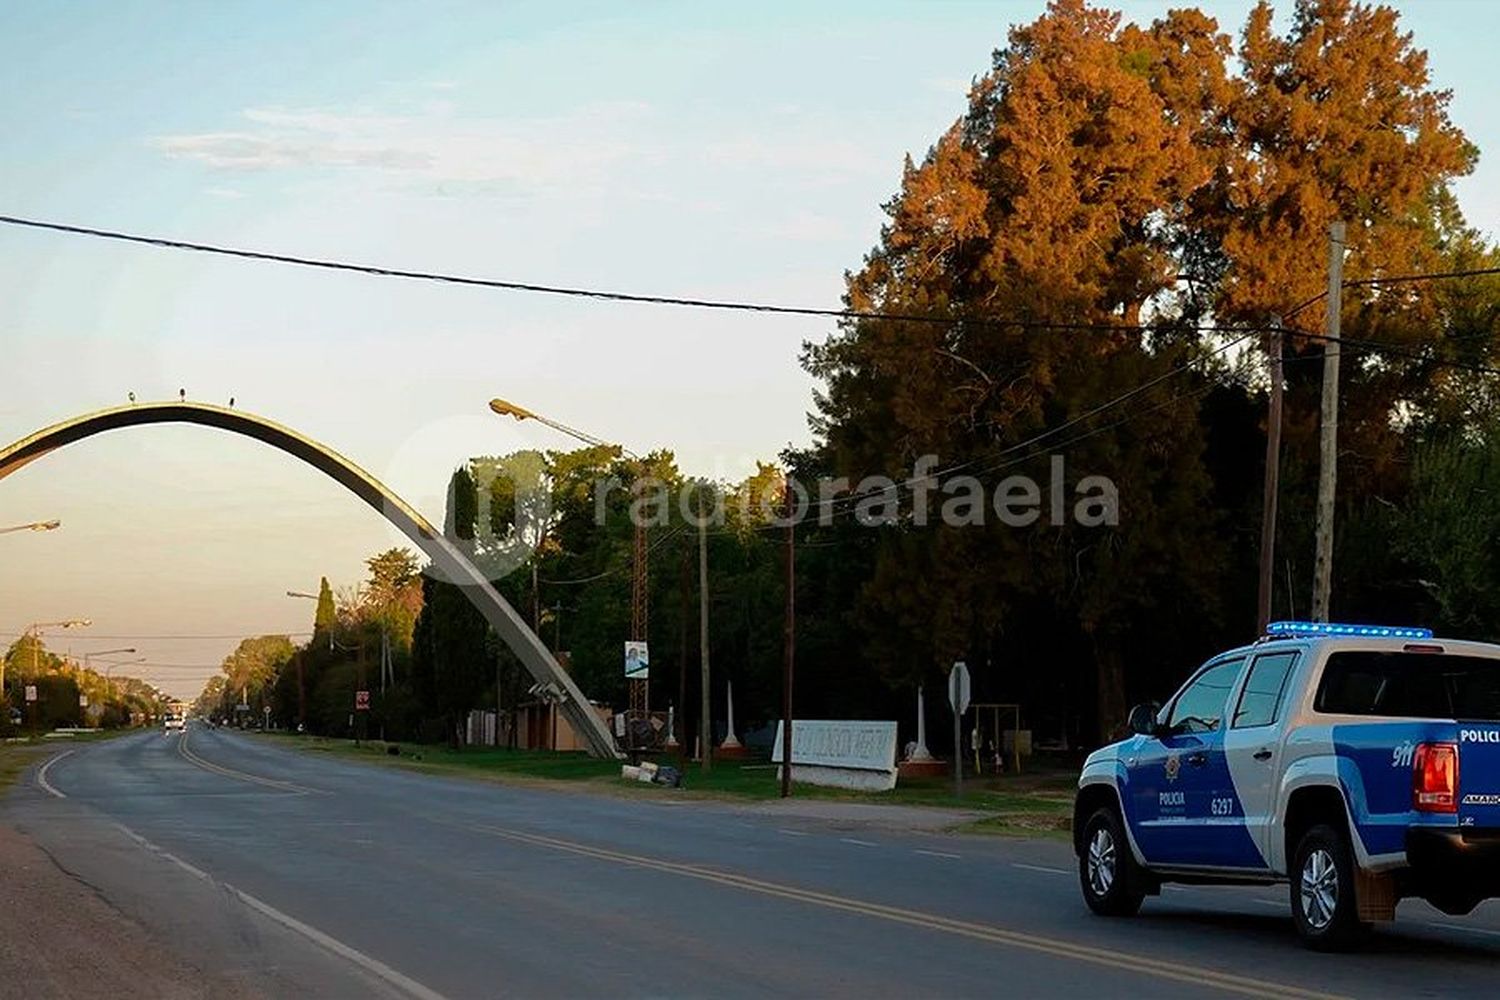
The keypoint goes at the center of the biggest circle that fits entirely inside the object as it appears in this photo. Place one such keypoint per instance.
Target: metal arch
(503, 618)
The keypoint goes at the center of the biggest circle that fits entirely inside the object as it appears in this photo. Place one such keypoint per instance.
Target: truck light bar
(1337, 628)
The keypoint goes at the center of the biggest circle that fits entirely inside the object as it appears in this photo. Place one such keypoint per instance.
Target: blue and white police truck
(1358, 763)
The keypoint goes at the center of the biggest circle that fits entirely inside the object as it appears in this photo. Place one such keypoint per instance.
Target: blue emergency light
(1337, 628)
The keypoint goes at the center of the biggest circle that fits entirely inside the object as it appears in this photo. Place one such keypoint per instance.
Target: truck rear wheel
(1323, 902)
(1106, 869)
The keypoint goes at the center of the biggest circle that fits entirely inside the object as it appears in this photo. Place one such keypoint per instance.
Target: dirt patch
(60, 938)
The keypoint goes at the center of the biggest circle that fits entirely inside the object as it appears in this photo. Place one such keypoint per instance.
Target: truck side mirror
(1142, 719)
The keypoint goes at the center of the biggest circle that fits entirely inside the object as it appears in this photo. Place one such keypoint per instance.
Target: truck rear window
(1419, 685)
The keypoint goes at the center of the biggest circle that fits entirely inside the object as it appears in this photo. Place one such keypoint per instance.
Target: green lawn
(17, 757)
(1023, 805)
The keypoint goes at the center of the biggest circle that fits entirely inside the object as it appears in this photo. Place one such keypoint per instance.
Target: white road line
(1041, 868)
(41, 775)
(373, 966)
(857, 843)
(793, 833)
(940, 854)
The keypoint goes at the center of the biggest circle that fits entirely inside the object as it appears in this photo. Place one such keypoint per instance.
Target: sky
(705, 150)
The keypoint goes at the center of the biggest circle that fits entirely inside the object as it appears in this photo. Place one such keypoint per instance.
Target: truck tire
(1322, 888)
(1107, 872)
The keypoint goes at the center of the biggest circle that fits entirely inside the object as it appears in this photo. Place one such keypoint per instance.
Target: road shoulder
(62, 938)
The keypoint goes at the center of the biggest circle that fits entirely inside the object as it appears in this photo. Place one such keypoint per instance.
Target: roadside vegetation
(1023, 805)
(1079, 279)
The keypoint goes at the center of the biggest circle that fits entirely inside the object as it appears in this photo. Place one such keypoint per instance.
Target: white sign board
(840, 753)
(958, 687)
(31, 692)
(637, 661)
(83, 701)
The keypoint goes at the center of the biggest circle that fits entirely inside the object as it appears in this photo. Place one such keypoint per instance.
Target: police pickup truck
(1358, 763)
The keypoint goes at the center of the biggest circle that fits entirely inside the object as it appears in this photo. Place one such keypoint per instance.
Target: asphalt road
(304, 876)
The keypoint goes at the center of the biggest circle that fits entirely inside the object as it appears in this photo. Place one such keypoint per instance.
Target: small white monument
(671, 743)
(920, 760)
(731, 746)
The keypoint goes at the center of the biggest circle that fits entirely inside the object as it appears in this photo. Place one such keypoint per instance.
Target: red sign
(362, 701)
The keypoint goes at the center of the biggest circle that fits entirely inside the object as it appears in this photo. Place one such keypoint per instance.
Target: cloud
(795, 154)
(808, 227)
(948, 85)
(436, 147)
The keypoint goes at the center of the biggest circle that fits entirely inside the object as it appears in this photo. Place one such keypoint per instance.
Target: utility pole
(790, 642)
(1328, 438)
(536, 601)
(686, 580)
(1273, 476)
(301, 695)
(705, 714)
(640, 688)
(359, 684)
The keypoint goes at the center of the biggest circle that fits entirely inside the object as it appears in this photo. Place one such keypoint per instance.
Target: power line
(1399, 350)
(1394, 279)
(170, 638)
(662, 540)
(1049, 432)
(592, 293)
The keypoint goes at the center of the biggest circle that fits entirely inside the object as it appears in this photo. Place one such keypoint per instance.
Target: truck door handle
(1262, 754)
(1198, 759)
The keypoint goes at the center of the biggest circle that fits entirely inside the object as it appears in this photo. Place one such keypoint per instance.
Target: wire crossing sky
(647, 150)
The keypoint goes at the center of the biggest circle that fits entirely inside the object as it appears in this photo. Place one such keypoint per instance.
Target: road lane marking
(857, 843)
(229, 772)
(1178, 971)
(373, 966)
(1041, 868)
(940, 854)
(793, 833)
(41, 774)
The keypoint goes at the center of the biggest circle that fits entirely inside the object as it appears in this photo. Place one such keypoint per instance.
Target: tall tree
(327, 613)
(1058, 199)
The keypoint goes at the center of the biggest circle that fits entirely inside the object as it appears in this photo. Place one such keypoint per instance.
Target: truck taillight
(1434, 778)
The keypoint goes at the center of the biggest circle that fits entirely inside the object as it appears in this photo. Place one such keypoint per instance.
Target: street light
(312, 597)
(301, 690)
(107, 652)
(52, 525)
(505, 408)
(109, 669)
(35, 630)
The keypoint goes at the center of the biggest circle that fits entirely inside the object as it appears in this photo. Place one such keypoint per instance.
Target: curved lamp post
(51, 525)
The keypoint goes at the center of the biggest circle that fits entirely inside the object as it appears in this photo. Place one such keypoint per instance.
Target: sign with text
(361, 701)
(31, 692)
(637, 661)
(840, 743)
